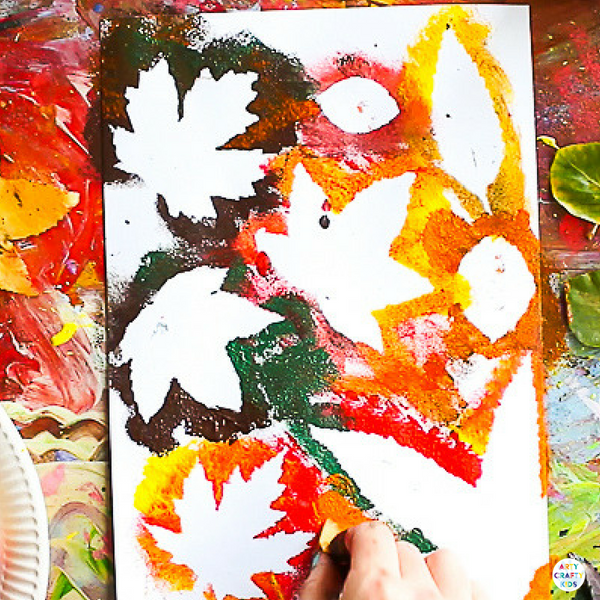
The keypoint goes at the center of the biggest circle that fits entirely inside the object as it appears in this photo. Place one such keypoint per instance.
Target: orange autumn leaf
(13, 274)
(27, 209)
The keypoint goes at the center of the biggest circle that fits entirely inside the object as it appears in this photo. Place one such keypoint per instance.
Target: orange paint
(541, 584)
(28, 208)
(220, 461)
(331, 505)
(175, 577)
(162, 484)
(14, 276)
(307, 501)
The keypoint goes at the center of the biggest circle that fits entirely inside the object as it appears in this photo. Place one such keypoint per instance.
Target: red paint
(574, 232)
(303, 483)
(44, 100)
(578, 88)
(390, 421)
(35, 373)
(356, 150)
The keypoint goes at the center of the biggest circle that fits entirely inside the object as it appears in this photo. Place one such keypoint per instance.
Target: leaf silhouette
(182, 334)
(346, 265)
(358, 105)
(182, 159)
(470, 142)
(221, 542)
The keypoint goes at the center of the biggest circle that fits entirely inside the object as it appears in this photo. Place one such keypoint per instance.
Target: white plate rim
(23, 520)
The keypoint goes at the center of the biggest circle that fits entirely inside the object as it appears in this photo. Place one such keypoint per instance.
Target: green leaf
(583, 305)
(576, 348)
(575, 180)
(64, 586)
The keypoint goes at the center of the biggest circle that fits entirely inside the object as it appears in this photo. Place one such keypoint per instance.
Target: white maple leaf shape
(220, 543)
(179, 158)
(183, 334)
(347, 266)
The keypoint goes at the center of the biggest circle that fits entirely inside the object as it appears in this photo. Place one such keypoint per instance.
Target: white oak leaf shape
(183, 334)
(220, 543)
(347, 266)
(179, 158)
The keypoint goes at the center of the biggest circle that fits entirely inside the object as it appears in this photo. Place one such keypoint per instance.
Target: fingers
(383, 569)
(372, 546)
(412, 563)
(448, 575)
(374, 570)
(323, 583)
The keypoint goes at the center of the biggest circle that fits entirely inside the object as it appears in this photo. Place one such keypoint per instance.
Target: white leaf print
(358, 105)
(183, 334)
(346, 267)
(470, 141)
(501, 286)
(180, 159)
(220, 543)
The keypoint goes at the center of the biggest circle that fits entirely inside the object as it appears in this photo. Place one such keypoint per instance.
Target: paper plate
(24, 548)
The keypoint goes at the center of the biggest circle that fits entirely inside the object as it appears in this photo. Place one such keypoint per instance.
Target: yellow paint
(65, 334)
(28, 208)
(14, 276)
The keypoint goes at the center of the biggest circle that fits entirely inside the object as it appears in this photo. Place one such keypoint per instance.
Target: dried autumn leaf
(583, 303)
(575, 180)
(13, 274)
(28, 208)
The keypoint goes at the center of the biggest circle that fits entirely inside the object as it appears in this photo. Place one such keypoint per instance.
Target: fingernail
(315, 559)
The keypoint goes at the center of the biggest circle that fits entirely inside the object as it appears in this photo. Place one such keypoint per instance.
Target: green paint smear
(156, 269)
(418, 539)
(65, 585)
(281, 369)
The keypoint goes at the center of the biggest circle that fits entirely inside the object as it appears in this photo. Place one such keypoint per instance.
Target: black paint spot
(324, 222)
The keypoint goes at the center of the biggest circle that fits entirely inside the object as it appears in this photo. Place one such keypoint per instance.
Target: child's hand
(383, 569)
